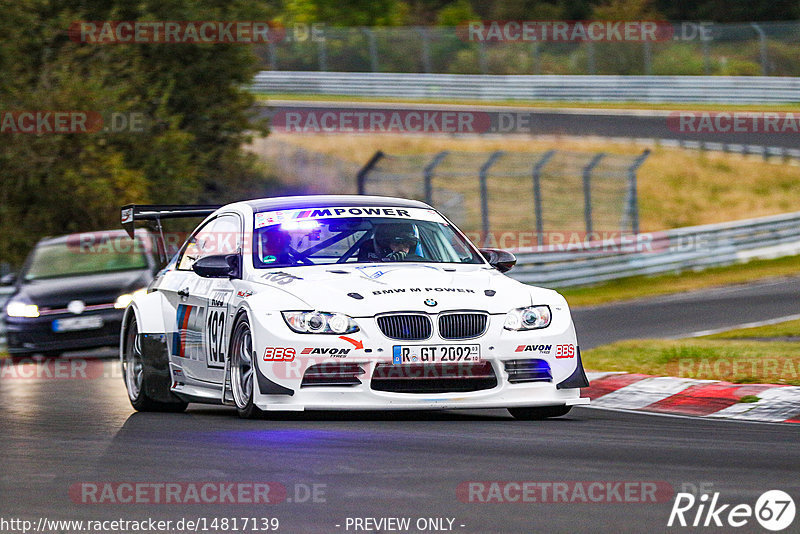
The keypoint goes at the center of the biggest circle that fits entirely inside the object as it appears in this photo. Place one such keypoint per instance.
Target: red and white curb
(688, 396)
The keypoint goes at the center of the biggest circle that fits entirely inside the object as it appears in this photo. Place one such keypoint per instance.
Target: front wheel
(243, 369)
(137, 380)
(539, 413)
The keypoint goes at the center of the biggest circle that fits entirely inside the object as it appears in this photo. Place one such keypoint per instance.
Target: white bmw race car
(343, 303)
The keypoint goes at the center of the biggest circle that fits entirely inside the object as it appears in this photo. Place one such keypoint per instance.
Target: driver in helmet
(397, 242)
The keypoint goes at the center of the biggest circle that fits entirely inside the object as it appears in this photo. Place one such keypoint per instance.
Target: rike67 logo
(774, 510)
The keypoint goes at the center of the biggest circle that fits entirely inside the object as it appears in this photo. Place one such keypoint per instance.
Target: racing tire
(242, 369)
(539, 413)
(137, 380)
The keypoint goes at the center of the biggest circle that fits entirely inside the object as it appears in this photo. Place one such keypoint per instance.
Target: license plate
(435, 353)
(77, 323)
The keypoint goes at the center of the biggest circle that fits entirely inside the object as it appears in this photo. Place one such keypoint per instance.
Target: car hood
(97, 288)
(369, 289)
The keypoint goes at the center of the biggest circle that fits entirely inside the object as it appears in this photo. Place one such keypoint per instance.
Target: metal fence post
(426, 49)
(483, 176)
(762, 41)
(587, 190)
(537, 195)
(590, 63)
(427, 174)
(648, 58)
(322, 51)
(273, 56)
(373, 49)
(633, 194)
(537, 67)
(706, 57)
(482, 59)
(361, 176)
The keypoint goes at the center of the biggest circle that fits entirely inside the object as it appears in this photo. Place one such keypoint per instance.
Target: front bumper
(31, 335)
(281, 384)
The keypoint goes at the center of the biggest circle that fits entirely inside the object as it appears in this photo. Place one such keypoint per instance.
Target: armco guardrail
(712, 89)
(681, 249)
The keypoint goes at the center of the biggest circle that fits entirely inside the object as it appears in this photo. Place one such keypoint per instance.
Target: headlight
(528, 318)
(314, 322)
(16, 308)
(125, 299)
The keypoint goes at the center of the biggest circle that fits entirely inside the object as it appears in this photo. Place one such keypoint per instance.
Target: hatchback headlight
(315, 322)
(126, 298)
(528, 318)
(17, 308)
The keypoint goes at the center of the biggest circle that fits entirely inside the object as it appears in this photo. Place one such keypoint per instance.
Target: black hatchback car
(73, 289)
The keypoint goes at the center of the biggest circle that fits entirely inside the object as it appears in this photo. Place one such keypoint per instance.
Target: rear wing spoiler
(132, 212)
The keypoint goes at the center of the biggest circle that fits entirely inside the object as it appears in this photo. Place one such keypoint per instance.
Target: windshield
(69, 259)
(325, 236)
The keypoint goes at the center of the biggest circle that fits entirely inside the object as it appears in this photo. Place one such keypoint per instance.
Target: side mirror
(221, 266)
(8, 280)
(501, 260)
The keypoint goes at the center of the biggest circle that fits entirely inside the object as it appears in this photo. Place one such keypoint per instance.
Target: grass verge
(547, 104)
(666, 284)
(734, 356)
(731, 360)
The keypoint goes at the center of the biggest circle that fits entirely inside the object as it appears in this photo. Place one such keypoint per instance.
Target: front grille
(533, 370)
(462, 325)
(433, 378)
(332, 374)
(406, 327)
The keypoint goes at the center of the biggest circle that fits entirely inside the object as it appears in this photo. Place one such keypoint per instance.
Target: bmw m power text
(343, 303)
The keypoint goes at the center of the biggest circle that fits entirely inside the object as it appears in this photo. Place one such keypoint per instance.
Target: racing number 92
(215, 326)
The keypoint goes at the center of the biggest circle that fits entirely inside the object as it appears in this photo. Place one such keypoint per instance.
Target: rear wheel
(243, 369)
(137, 380)
(539, 413)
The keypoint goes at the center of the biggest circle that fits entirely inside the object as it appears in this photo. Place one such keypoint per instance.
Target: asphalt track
(631, 124)
(55, 433)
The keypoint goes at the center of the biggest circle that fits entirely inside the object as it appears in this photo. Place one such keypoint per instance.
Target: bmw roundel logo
(430, 302)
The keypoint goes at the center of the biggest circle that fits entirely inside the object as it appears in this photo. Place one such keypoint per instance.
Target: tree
(195, 112)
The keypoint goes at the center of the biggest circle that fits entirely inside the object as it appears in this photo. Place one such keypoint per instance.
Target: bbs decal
(216, 320)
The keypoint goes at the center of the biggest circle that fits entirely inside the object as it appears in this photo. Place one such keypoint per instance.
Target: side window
(221, 235)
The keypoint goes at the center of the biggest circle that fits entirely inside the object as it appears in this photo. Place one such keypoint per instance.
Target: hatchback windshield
(69, 259)
(297, 237)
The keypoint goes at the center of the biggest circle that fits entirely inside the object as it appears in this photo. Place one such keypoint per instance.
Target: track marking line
(754, 324)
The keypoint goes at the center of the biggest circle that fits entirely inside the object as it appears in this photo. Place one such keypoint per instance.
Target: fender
(149, 316)
(262, 385)
(153, 341)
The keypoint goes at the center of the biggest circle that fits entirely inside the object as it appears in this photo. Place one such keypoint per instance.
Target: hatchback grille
(462, 325)
(433, 378)
(406, 327)
(533, 370)
(332, 374)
